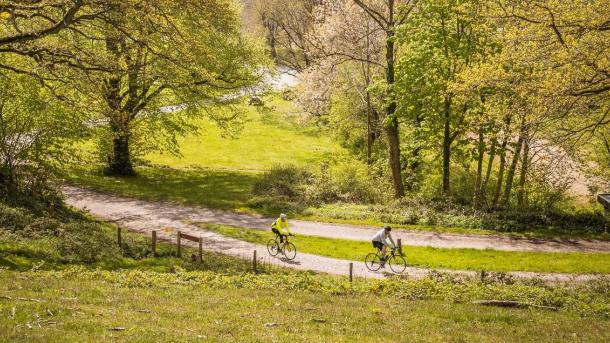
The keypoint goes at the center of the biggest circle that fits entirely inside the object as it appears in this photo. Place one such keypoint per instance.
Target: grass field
(42, 307)
(270, 136)
(461, 259)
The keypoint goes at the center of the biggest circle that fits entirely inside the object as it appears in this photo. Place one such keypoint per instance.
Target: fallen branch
(511, 303)
(29, 299)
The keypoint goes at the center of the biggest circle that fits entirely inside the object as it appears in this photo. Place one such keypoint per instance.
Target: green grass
(439, 258)
(269, 137)
(228, 190)
(76, 308)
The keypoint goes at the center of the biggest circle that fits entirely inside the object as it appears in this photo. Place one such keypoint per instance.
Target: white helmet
(283, 216)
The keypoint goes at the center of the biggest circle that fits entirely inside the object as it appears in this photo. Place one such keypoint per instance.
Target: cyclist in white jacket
(380, 240)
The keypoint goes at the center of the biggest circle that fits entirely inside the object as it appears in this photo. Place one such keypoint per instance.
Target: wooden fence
(268, 263)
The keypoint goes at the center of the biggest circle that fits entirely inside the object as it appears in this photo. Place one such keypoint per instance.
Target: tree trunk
(120, 163)
(392, 129)
(394, 151)
(490, 162)
(522, 177)
(414, 167)
(369, 130)
(446, 146)
(511, 170)
(480, 157)
(498, 189)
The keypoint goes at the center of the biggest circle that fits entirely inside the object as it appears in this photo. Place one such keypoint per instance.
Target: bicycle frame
(393, 252)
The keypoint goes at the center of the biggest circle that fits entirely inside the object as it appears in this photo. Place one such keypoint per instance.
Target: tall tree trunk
(119, 161)
(392, 129)
(369, 129)
(415, 154)
(498, 190)
(490, 162)
(394, 151)
(370, 138)
(480, 157)
(523, 175)
(510, 176)
(446, 146)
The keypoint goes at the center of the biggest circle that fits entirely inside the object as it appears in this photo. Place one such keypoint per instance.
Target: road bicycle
(398, 264)
(286, 248)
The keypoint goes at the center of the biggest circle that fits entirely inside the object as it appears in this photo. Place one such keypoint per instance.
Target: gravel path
(92, 199)
(145, 216)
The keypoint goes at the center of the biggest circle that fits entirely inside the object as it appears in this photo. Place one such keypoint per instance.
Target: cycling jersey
(279, 225)
(381, 236)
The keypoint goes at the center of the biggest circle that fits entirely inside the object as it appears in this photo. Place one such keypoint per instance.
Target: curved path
(103, 202)
(144, 216)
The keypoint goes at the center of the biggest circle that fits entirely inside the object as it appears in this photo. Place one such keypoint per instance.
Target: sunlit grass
(439, 258)
(70, 309)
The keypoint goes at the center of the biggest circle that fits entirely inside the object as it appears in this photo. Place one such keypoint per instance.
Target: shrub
(282, 181)
(84, 242)
(12, 218)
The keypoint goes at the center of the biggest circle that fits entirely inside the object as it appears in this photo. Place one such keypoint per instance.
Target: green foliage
(339, 181)
(34, 130)
(282, 181)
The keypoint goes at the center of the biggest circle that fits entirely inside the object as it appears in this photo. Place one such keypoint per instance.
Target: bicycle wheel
(398, 264)
(372, 262)
(272, 247)
(290, 251)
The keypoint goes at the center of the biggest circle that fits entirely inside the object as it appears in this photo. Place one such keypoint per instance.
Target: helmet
(387, 228)
(283, 216)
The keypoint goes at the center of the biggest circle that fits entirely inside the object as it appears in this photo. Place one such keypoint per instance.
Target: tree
(286, 25)
(442, 39)
(177, 52)
(28, 29)
(34, 131)
(389, 15)
(348, 47)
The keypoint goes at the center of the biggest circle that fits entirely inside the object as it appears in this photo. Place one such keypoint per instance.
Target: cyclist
(380, 243)
(279, 224)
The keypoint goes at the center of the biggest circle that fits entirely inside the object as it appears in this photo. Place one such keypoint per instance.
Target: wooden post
(178, 243)
(254, 261)
(351, 271)
(118, 237)
(400, 246)
(154, 243)
(200, 249)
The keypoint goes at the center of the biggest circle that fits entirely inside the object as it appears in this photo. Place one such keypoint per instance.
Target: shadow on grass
(228, 190)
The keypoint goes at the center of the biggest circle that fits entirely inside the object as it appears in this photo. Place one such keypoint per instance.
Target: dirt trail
(104, 203)
(144, 216)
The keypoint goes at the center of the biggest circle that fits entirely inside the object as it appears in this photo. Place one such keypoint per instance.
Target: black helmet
(387, 228)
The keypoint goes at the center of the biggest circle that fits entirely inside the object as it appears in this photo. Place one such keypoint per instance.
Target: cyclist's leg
(379, 246)
(277, 234)
(383, 251)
